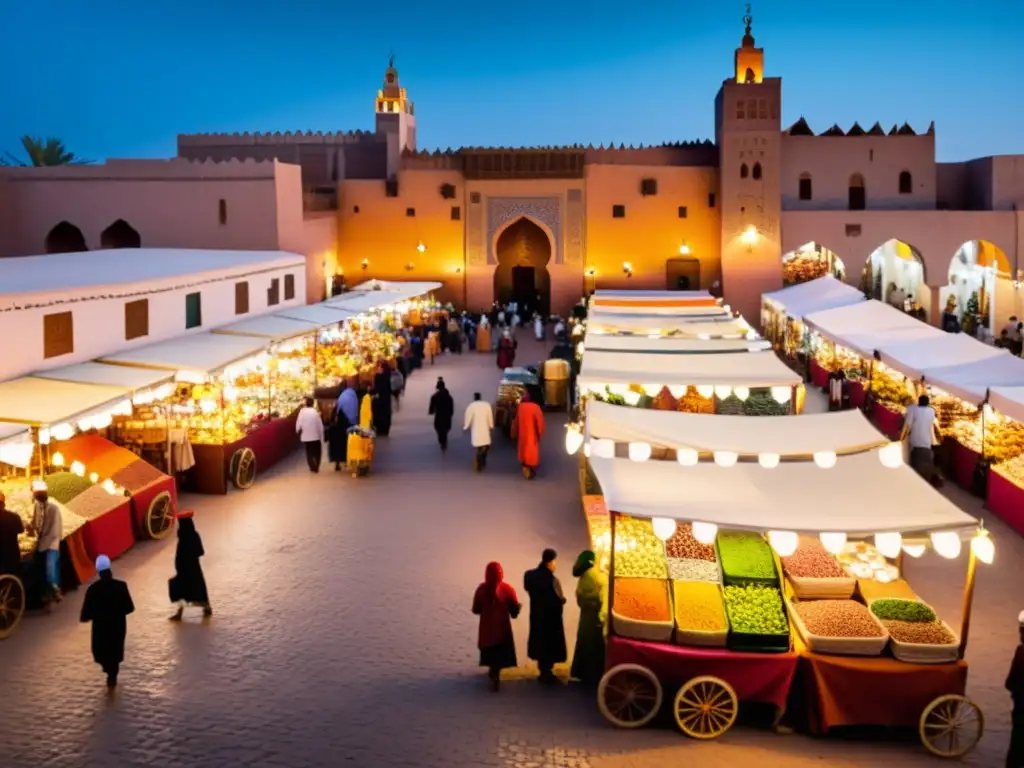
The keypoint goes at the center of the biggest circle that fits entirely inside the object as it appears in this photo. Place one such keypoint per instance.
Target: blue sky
(120, 78)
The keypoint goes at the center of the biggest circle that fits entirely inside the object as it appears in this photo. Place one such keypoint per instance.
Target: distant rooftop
(124, 266)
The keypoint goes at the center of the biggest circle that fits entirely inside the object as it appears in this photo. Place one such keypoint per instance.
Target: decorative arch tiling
(544, 210)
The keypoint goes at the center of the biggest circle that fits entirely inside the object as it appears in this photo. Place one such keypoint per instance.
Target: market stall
(672, 345)
(782, 311)
(673, 326)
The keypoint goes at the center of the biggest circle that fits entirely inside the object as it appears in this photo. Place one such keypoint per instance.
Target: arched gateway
(523, 251)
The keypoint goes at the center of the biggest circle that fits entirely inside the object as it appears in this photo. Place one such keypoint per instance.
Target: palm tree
(43, 152)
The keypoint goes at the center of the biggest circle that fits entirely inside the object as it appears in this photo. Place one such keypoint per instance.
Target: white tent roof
(606, 293)
(133, 379)
(407, 290)
(273, 327)
(1009, 401)
(660, 345)
(632, 308)
(839, 432)
(914, 358)
(43, 402)
(794, 496)
(972, 381)
(814, 296)
(202, 352)
(752, 369)
(365, 301)
(15, 431)
(646, 324)
(322, 314)
(867, 326)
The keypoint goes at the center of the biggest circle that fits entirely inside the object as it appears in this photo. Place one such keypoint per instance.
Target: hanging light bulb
(602, 448)
(726, 458)
(586, 450)
(573, 440)
(94, 477)
(914, 550)
(687, 457)
(664, 527)
(705, 533)
(947, 543)
(891, 455)
(677, 391)
(983, 548)
(833, 542)
(768, 460)
(632, 398)
(723, 391)
(705, 390)
(825, 459)
(78, 468)
(742, 393)
(888, 544)
(109, 487)
(57, 459)
(783, 542)
(639, 451)
(781, 394)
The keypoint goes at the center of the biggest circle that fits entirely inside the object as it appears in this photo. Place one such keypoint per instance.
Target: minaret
(748, 131)
(396, 117)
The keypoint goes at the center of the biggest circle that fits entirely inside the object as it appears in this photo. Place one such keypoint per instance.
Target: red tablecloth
(111, 534)
(819, 376)
(962, 461)
(857, 394)
(1006, 500)
(756, 677)
(888, 422)
(271, 443)
(141, 500)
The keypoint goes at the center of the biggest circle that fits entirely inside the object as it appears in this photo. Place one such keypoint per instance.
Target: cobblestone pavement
(343, 634)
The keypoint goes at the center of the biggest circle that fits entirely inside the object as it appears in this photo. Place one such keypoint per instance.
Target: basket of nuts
(918, 635)
(815, 573)
(839, 627)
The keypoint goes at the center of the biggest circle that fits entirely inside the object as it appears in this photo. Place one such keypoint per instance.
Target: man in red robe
(528, 429)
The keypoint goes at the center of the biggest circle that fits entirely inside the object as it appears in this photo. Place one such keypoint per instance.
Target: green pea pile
(893, 609)
(746, 555)
(755, 609)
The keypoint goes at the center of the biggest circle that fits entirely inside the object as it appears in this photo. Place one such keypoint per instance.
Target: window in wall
(58, 334)
(806, 189)
(618, 211)
(744, 171)
(274, 292)
(222, 211)
(241, 298)
(474, 197)
(391, 188)
(410, 212)
(751, 109)
(355, 209)
(857, 193)
(289, 287)
(456, 213)
(648, 187)
(756, 172)
(762, 109)
(740, 113)
(682, 211)
(136, 319)
(906, 183)
(193, 310)
(711, 199)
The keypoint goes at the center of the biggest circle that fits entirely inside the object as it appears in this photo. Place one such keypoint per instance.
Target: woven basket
(700, 638)
(836, 588)
(927, 653)
(637, 629)
(841, 646)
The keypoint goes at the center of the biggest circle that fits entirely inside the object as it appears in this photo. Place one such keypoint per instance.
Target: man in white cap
(1015, 685)
(48, 528)
(107, 605)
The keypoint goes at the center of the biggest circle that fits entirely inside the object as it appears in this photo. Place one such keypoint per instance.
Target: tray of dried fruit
(757, 618)
(814, 573)
(838, 627)
(641, 609)
(916, 633)
(639, 554)
(689, 559)
(699, 612)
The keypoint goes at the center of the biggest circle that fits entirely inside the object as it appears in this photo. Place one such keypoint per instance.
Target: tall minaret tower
(396, 117)
(748, 131)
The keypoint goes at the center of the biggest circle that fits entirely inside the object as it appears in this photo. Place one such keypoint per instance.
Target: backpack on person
(397, 382)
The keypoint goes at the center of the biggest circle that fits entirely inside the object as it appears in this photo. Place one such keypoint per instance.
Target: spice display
(687, 569)
(699, 606)
(638, 552)
(812, 561)
(891, 389)
(1004, 438)
(642, 599)
(923, 632)
(20, 502)
(870, 589)
(746, 556)
(137, 476)
(64, 486)
(684, 545)
(663, 401)
(694, 402)
(895, 609)
(756, 609)
(837, 618)
(1012, 470)
(95, 502)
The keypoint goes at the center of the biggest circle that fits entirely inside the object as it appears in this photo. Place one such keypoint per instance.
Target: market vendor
(10, 528)
(1015, 685)
(47, 525)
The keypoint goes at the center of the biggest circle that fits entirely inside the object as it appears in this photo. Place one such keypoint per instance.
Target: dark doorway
(65, 238)
(524, 282)
(120, 234)
(682, 275)
(523, 251)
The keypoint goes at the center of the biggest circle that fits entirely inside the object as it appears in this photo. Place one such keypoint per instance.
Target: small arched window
(806, 191)
(857, 193)
(756, 173)
(744, 171)
(906, 183)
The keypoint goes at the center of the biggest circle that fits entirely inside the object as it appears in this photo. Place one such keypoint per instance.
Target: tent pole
(965, 613)
(611, 573)
(871, 376)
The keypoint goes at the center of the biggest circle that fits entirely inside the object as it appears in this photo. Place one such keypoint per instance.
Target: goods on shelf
(20, 502)
(699, 614)
(684, 545)
(917, 642)
(757, 618)
(950, 409)
(1012, 470)
(898, 609)
(746, 558)
(815, 573)
(694, 402)
(891, 389)
(863, 561)
(758, 403)
(843, 627)
(64, 486)
(869, 589)
(1004, 439)
(95, 502)
(641, 609)
(664, 401)
(687, 569)
(137, 476)
(638, 552)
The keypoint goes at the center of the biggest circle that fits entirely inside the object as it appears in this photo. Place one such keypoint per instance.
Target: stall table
(888, 421)
(961, 462)
(217, 464)
(1006, 499)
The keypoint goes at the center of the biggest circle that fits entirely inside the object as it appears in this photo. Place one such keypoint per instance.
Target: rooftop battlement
(247, 139)
(142, 170)
(801, 128)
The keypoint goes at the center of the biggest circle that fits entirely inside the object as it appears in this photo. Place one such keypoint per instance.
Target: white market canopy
(972, 381)
(695, 308)
(275, 327)
(408, 290)
(132, 379)
(867, 326)
(751, 369)
(947, 350)
(607, 293)
(661, 345)
(858, 496)
(45, 402)
(358, 302)
(839, 432)
(814, 296)
(200, 353)
(1009, 401)
(723, 325)
(321, 315)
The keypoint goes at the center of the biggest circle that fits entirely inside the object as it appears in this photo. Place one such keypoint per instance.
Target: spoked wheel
(159, 516)
(705, 707)
(12, 604)
(629, 695)
(243, 468)
(951, 726)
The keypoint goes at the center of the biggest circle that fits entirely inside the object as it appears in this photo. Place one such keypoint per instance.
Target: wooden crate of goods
(641, 609)
(638, 552)
(746, 558)
(757, 618)
(699, 613)
(840, 627)
(683, 545)
(917, 634)
(815, 573)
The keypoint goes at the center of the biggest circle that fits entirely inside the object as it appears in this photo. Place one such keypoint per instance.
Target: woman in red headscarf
(496, 603)
(528, 429)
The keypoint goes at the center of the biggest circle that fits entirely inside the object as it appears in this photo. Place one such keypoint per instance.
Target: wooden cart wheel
(951, 726)
(243, 468)
(629, 695)
(12, 604)
(705, 707)
(159, 516)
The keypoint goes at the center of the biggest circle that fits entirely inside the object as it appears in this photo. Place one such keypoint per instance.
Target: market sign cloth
(750, 369)
(814, 296)
(598, 342)
(794, 496)
(839, 431)
(692, 326)
(915, 359)
(868, 325)
(756, 677)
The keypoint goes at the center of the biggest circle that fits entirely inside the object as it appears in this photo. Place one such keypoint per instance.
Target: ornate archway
(523, 250)
(893, 273)
(809, 262)
(979, 287)
(65, 237)
(120, 234)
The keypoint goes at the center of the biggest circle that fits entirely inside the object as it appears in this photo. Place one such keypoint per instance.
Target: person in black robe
(416, 347)
(546, 644)
(11, 527)
(337, 438)
(188, 587)
(381, 404)
(442, 408)
(107, 605)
